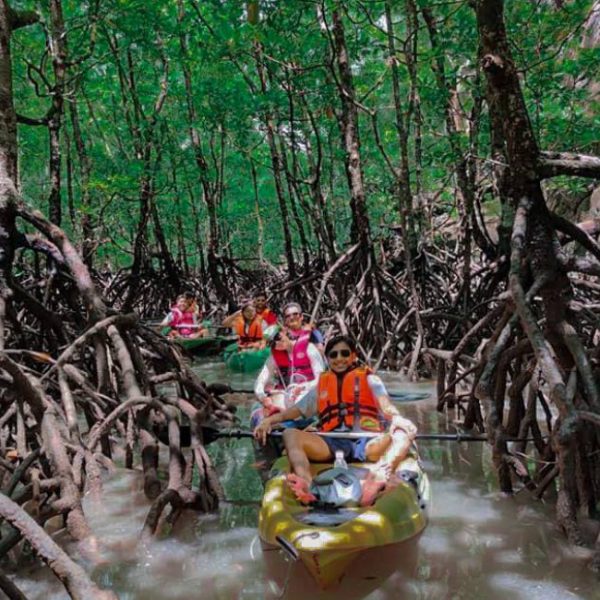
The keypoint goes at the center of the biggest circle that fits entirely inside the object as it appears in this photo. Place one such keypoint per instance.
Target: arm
(264, 427)
(306, 407)
(316, 360)
(167, 320)
(263, 378)
(231, 319)
(398, 423)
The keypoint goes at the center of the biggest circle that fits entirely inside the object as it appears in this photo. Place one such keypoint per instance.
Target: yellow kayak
(327, 541)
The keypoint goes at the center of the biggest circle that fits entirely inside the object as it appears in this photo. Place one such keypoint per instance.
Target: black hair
(338, 339)
(189, 295)
(276, 339)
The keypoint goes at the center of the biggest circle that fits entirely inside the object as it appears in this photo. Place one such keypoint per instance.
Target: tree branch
(552, 164)
(22, 18)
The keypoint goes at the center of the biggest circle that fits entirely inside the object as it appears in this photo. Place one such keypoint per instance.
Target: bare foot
(370, 489)
(374, 482)
(381, 471)
(301, 488)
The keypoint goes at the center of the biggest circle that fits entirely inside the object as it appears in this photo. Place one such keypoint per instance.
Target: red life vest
(180, 319)
(268, 316)
(350, 405)
(248, 333)
(297, 368)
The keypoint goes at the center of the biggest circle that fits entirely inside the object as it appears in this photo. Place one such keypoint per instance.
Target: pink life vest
(297, 368)
(180, 319)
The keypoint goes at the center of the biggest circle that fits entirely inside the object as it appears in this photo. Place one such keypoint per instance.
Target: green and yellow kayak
(209, 345)
(327, 541)
(244, 361)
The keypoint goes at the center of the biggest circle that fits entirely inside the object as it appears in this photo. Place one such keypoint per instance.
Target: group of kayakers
(345, 397)
(307, 383)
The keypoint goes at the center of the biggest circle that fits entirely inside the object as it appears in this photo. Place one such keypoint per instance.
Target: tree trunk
(536, 269)
(209, 188)
(269, 121)
(57, 43)
(9, 21)
(361, 227)
(88, 242)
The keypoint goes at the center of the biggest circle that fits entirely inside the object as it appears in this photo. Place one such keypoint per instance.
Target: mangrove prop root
(74, 578)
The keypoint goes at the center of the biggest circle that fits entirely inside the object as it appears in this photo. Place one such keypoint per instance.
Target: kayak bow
(327, 541)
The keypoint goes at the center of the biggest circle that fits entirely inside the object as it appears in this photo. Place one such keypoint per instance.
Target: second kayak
(244, 361)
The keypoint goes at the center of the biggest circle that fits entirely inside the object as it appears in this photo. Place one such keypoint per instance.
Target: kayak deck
(244, 361)
(327, 541)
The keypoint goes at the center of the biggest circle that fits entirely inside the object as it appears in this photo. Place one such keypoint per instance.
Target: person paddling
(349, 398)
(290, 371)
(248, 327)
(297, 329)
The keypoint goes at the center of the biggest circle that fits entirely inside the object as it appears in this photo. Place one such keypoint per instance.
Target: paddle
(355, 435)
(398, 396)
(210, 434)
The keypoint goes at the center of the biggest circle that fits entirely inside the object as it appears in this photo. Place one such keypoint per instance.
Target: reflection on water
(216, 371)
(478, 545)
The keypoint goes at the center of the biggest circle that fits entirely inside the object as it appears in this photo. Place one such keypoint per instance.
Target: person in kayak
(263, 311)
(347, 398)
(193, 305)
(248, 327)
(289, 372)
(296, 328)
(182, 320)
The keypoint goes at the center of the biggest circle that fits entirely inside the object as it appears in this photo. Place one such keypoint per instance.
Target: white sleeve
(263, 378)
(168, 319)
(308, 403)
(316, 360)
(377, 386)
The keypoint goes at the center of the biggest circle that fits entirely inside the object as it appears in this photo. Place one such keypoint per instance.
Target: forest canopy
(137, 75)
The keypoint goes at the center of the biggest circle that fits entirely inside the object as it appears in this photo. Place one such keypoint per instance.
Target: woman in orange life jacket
(348, 397)
(248, 327)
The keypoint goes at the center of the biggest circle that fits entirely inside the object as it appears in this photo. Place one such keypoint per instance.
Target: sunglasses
(342, 353)
(292, 314)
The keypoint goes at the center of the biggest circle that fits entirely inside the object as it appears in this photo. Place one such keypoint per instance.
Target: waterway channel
(478, 544)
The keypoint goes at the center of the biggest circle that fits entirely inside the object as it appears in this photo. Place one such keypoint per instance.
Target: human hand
(268, 407)
(262, 430)
(284, 342)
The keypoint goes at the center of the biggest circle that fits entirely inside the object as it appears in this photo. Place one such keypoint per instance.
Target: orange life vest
(349, 406)
(247, 334)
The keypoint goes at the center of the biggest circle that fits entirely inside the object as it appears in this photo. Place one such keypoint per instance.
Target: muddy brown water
(478, 544)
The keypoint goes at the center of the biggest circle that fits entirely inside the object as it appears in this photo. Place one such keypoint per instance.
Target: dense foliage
(119, 54)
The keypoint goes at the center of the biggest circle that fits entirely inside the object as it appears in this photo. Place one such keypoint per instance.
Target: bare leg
(387, 452)
(302, 447)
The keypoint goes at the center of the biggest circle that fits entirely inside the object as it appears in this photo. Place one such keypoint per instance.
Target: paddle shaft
(392, 395)
(454, 437)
